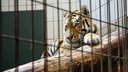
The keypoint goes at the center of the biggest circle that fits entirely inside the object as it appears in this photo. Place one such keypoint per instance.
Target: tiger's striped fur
(79, 29)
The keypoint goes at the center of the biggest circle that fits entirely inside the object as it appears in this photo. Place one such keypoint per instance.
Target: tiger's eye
(76, 24)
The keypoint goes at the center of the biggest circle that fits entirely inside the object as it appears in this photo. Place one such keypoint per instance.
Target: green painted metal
(25, 51)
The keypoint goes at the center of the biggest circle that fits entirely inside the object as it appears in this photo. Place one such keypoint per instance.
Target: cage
(28, 27)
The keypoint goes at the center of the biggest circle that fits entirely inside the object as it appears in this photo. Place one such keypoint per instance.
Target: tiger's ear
(84, 10)
(64, 15)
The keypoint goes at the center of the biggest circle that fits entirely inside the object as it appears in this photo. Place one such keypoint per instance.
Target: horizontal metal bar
(22, 39)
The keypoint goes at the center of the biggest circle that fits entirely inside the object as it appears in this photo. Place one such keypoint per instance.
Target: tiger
(79, 30)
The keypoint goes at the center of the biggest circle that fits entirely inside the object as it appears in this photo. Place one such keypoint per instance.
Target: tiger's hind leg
(91, 38)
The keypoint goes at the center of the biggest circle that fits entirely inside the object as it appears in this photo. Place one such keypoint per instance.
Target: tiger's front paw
(91, 38)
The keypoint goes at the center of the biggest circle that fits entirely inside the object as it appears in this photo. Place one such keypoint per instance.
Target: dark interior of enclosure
(25, 30)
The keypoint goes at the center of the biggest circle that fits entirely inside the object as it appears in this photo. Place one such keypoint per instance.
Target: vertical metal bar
(26, 5)
(115, 10)
(70, 44)
(35, 5)
(0, 35)
(53, 22)
(109, 37)
(125, 34)
(58, 16)
(118, 35)
(123, 39)
(82, 66)
(8, 5)
(32, 34)
(62, 26)
(105, 12)
(126, 38)
(92, 67)
(45, 33)
(101, 57)
(16, 30)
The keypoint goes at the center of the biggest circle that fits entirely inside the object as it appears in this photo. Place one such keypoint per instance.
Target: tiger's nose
(70, 37)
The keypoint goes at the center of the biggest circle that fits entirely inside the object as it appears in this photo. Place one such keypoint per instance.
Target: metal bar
(26, 5)
(126, 38)
(123, 39)
(36, 4)
(62, 26)
(109, 37)
(118, 28)
(45, 32)
(22, 39)
(53, 23)
(32, 34)
(92, 67)
(101, 57)
(8, 5)
(16, 31)
(82, 66)
(1, 36)
(58, 17)
(71, 43)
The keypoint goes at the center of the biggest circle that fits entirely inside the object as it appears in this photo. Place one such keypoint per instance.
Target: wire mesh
(109, 15)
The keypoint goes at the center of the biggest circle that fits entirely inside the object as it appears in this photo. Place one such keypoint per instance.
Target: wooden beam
(65, 63)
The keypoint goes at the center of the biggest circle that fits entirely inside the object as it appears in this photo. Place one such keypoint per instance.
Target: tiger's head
(73, 26)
